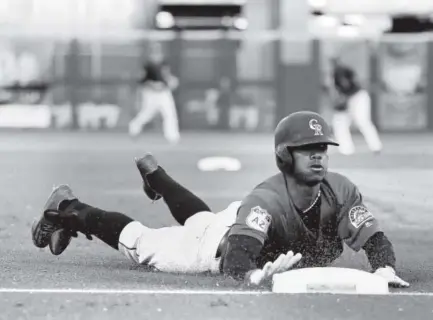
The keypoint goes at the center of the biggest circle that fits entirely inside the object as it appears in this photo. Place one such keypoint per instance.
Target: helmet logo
(316, 126)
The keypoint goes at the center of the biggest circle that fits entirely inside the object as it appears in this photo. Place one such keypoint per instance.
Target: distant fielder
(352, 103)
(299, 217)
(156, 97)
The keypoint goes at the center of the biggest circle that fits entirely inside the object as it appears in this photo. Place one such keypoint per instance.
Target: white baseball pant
(156, 101)
(180, 249)
(358, 111)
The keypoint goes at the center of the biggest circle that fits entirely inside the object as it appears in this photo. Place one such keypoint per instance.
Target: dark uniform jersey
(345, 81)
(155, 72)
(269, 215)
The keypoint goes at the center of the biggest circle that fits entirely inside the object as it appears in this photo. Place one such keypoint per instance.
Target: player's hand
(282, 264)
(388, 273)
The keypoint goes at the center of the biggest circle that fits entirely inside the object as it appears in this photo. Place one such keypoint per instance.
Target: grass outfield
(397, 186)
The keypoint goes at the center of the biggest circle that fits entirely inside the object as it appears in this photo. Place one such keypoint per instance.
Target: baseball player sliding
(297, 218)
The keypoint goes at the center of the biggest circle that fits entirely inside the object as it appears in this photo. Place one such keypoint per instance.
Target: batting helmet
(299, 129)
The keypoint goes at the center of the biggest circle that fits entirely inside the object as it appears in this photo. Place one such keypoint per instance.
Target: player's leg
(341, 127)
(64, 215)
(169, 117)
(360, 109)
(158, 183)
(149, 108)
(180, 249)
(106, 225)
(171, 249)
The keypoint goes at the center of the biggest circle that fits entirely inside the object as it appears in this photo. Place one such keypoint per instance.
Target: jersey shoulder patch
(259, 219)
(359, 215)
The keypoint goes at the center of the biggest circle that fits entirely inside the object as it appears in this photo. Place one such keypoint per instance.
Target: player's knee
(129, 238)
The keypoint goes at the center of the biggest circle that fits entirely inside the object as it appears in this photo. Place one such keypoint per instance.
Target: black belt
(223, 245)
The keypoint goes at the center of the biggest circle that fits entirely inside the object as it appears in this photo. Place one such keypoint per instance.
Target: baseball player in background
(352, 103)
(156, 96)
(299, 217)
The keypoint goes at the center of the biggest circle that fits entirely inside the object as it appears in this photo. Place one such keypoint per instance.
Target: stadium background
(77, 64)
(74, 80)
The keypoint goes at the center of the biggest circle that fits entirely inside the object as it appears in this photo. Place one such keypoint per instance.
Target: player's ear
(284, 158)
(284, 165)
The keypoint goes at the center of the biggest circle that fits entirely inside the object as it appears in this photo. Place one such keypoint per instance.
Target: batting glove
(388, 273)
(283, 263)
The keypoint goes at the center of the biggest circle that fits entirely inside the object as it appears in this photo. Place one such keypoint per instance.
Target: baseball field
(92, 281)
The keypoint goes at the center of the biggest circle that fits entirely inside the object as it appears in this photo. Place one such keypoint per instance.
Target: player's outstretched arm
(240, 261)
(283, 263)
(380, 254)
(360, 230)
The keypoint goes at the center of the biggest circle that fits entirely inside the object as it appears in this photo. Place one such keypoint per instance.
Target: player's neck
(301, 195)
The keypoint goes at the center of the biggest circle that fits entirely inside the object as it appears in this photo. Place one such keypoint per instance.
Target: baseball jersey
(345, 81)
(269, 215)
(155, 72)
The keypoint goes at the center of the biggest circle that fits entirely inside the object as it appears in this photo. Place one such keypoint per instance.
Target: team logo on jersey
(359, 216)
(316, 126)
(259, 219)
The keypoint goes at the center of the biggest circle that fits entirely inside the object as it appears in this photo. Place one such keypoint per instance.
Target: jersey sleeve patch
(259, 219)
(359, 215)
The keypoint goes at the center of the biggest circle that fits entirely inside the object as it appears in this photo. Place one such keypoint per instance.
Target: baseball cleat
(69, 225)
(147, 165)
(43, 229)
(59, 241)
